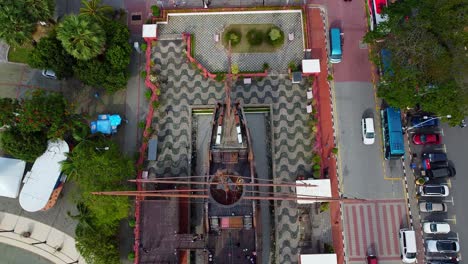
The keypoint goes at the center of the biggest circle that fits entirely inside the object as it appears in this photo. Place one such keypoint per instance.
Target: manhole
(136, 17)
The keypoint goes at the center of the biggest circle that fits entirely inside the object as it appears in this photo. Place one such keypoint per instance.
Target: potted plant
(420, 181)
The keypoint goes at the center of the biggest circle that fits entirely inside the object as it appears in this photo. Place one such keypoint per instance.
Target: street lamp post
(428, 120)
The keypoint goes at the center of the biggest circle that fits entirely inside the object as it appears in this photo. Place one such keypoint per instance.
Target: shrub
(143, 46)
(131, 222)
(330, 77)
(156, 104)
(292, 66)
(316, 167)
(328, 248)
(266, 66)
(143, 74)
(255, 37)
(131, 256)
(148, 94)
(275, 36)
(335, 151)
(325, 206)
(235, 69)
(220, 77)
(156, 10)
(234, 36)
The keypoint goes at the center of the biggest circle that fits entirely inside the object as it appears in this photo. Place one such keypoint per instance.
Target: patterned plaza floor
(292, 136)
(213, 55)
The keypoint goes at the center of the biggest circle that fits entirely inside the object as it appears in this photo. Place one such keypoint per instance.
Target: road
(456, 145)
(372, 225)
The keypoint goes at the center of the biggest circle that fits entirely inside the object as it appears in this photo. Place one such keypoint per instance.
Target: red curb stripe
(394, 227)
(363, 228)
(387, 236)
(356, 232)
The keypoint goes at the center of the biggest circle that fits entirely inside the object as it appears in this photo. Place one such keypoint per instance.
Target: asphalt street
(361, 165)
(456, 144)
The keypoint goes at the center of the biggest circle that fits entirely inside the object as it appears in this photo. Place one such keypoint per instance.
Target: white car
(434, 190)
(49, 74)
(408, 249)
(436, 228)
(368, 131)
(429, 207)
(442, 246)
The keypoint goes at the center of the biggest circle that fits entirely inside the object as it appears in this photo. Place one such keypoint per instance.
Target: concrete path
(38, 238)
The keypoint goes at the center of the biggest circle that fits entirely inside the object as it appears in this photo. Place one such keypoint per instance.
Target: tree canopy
(33, 120)
(81, 37)
(50, 54)
(19, 17)
(427, 41)
(95, 10)
(96, 164)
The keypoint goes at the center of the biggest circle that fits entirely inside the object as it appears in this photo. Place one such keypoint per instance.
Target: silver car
(429, 207)
(442, 246)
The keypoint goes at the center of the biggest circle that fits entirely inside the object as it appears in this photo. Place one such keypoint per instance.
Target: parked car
(434, 156)
(442, 246)
(408, 248)
(436, 228)
(429, 207)
(441, 172)
(435, 165)
(368, 131)
(427, 139)
(49, 74)
(434, 190)
(420, 121)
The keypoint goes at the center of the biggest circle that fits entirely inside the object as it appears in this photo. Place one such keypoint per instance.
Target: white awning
(310, 66)
(149, 30)
(41, 180)
(11, 173)
(320, 188)
(318, 258)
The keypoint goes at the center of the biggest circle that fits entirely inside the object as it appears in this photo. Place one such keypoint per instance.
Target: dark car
(424, 122)
(434, 165)
(433, 157)
(441, 172)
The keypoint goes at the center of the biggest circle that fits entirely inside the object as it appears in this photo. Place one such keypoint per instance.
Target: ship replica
(230, 219)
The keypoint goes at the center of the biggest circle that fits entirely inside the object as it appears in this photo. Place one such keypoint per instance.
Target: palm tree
(95, 10)
(80, 37)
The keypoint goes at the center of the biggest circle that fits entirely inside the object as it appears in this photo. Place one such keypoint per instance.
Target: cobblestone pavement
(292, 137)
(213, 54)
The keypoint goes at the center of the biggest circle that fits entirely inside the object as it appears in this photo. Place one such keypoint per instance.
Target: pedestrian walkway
(38, 238)
(372, 227)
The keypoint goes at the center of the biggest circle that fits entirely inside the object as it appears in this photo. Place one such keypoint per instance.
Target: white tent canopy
(149, 30)
(41, 180)
(318, 258)
(320, 188)
(311, 66)
(11, 173)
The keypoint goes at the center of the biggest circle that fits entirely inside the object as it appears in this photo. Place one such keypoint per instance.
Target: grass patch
(19, 54)
(244, 46)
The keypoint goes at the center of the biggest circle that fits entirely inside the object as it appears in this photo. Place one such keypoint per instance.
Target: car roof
(411, 236)
(369, 124)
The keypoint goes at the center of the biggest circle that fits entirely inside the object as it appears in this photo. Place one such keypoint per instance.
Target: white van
(407, 245)
(368, 131)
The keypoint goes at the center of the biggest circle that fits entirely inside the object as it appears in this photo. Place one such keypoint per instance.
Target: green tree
(19, 17)
(95, 10)
(275, 36)
(26, 146)
(118, 56)
(50, 54)
(48, 113)
(8, 108)
(81, 37)
(97, 244)
(98, 165)
(427, 40)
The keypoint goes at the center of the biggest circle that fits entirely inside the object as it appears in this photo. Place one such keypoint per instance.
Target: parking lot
(433, 194)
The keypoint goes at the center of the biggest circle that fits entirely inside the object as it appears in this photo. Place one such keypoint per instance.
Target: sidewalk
(317, 43)
(38, 238)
